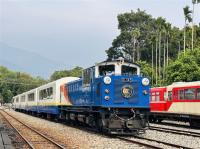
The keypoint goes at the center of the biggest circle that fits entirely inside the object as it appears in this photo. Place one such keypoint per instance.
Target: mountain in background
(21, 60)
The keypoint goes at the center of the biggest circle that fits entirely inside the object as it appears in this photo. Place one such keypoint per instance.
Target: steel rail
(175, 131)
(165, 143)
(32, 129)
(149, 145)
(28, 143)
(139, 143)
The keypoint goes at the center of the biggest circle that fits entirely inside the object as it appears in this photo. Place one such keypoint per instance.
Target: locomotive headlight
(107, 97)
(145, 81)
(107, 80)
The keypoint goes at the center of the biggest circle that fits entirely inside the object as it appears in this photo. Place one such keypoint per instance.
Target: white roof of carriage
(182, 84)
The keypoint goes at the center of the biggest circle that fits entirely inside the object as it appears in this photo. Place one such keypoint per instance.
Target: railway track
(175, 131)
(173, 124)
(150, 145)
(33, 138)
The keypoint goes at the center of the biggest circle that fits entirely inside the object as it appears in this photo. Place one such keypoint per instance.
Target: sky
(76, 32)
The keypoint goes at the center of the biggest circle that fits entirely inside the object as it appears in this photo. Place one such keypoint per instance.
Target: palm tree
(187, 14)
(168, 29)
(135, 34)
(156, 60)
(160, 23)
(193, 3)
(152, 41)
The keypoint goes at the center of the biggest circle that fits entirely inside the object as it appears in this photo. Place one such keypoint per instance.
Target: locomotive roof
(117, 60)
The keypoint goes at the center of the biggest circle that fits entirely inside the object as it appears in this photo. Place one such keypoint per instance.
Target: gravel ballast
(76, 138)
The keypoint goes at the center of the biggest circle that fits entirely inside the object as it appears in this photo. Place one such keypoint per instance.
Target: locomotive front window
(128, 71)
(107, 70)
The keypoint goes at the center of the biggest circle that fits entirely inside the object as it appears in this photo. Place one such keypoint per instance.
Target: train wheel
(100, 125)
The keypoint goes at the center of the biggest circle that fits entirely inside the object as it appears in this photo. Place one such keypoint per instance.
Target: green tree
(75, 72)
(186, 68)
(13, 83)
(136, 28)
(193, 3)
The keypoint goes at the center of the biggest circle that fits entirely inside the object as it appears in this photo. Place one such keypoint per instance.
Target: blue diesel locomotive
(110, 96)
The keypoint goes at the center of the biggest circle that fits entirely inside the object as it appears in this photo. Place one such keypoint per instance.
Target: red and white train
(179, 101)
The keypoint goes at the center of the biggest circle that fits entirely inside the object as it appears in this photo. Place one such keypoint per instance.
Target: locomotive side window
(189, 93)
(198, 93)
(127, 70)
(106, 70)
(86, 77)
(181, 94)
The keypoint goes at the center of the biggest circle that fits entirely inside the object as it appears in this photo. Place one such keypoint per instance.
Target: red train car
(179, 101)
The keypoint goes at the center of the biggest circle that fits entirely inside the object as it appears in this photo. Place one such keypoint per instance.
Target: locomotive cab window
(106, 70)
(128, 71)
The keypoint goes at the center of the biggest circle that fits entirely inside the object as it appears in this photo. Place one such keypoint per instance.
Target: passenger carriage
(179, 101)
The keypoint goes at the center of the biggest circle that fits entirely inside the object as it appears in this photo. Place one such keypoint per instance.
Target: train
(110, 96)
(179, 101)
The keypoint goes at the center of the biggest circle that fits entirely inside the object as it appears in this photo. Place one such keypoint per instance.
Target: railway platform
(5, 141)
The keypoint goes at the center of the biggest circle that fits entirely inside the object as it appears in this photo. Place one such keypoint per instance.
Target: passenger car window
(170, 95)
(127, 70)
(22, 99)
(181, 94)
(198, 93)
(46, 93)
(153, 97)
(189, 93)
(31, 97)
(157, 96)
